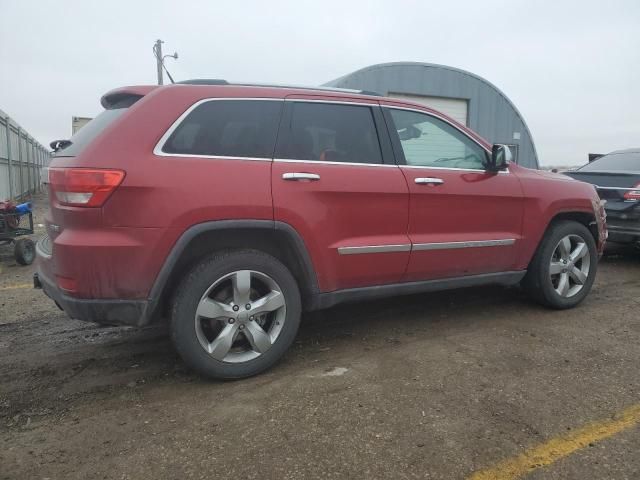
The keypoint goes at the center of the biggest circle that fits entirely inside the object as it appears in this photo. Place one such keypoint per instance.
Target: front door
(334, 181)
(463, 220)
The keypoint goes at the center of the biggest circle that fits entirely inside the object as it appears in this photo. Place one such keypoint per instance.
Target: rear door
(463, 220)
(335, 182)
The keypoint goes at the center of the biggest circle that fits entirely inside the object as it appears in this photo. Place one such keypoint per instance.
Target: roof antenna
(157, 52)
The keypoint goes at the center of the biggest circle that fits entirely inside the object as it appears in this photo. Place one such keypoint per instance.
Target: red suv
(230, 209)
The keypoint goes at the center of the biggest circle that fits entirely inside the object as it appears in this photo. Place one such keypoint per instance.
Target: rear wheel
(235, 314)
(564, 268)
(24, 251)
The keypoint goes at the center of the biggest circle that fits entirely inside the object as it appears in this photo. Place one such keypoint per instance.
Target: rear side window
(228, 128)
(615, 162)
(91, 130)
(332, 133)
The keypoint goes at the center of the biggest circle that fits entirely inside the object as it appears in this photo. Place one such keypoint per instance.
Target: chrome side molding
(374, 249)
(468, 244)
(424, 246)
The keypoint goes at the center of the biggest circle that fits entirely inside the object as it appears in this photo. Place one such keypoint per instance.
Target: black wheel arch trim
(155, 294)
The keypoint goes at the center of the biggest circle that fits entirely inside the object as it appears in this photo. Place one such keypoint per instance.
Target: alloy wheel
(569, 267)
(240, 316)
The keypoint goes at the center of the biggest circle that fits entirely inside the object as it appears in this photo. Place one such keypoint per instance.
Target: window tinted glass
(89, 132)
(332, 133)
(228, 128)
(428, 141)
(616, 162)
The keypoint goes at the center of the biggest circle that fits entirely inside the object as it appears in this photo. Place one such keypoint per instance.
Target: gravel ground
(427, 386)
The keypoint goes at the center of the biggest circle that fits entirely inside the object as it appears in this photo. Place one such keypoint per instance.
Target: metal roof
(625, 150)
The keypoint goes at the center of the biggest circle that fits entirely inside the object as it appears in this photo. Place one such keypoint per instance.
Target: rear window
(615, 162)
(91, 130)
(228, 128)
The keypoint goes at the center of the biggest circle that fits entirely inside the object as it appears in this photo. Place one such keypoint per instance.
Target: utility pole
(157, 49)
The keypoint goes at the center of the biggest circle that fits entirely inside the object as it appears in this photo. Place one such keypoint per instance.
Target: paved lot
(429, 386)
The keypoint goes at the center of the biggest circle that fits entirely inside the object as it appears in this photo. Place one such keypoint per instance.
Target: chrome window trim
(624, 189)
(157, 150)
(323, 162)
(405, 247)
(217, 157)
(475, 170)
(466, 244)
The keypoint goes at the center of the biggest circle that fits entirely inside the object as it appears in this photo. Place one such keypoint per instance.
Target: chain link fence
(22, 159)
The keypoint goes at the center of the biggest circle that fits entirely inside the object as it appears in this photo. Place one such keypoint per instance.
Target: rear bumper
(623, 230)
(105, 311)
(110, 312)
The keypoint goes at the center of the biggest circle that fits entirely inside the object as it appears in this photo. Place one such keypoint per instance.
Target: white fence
(22, 159)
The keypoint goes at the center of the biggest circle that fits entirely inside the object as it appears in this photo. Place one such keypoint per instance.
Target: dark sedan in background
(616, 176)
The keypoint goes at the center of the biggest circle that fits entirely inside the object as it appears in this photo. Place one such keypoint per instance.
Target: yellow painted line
(549, 452)
(17, 286)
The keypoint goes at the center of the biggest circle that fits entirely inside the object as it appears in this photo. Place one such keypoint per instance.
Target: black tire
(538, 283)
(197, 282)
(24, 251)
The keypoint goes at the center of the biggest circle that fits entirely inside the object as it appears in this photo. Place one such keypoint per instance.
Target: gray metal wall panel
(490, 112)
(28, 157)
(4, 180)
(3, 140)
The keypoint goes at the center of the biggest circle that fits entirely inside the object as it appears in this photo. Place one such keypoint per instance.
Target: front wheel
(563, 269)
(235, 314)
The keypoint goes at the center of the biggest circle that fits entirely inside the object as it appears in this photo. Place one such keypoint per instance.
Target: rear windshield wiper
(59, 144)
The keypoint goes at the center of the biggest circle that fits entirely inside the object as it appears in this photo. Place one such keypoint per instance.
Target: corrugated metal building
(22, 159)
(467, 98)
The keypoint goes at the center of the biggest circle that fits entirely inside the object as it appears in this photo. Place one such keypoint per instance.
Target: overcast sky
(571, 67)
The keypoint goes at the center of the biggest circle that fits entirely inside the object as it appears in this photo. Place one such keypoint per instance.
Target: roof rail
(218, 81)
(204, 81)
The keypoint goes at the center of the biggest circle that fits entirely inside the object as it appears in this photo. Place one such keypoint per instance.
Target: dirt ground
(429, 386)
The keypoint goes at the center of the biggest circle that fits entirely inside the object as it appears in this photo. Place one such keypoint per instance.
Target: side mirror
(500, 157)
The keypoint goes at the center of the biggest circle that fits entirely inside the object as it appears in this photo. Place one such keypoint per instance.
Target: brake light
(84, 187)
(633, 194)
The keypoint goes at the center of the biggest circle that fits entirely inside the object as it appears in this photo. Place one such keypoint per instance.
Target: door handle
(429, 181)
(296, 176)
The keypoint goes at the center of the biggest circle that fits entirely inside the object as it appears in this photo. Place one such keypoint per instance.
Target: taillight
(84, 187)
(633, 194)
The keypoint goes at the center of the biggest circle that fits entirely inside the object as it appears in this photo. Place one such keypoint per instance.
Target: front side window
(228, 128)
(332, 133)
(430, 142)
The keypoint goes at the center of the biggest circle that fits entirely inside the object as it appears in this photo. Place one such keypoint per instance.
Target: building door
(455, 108)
